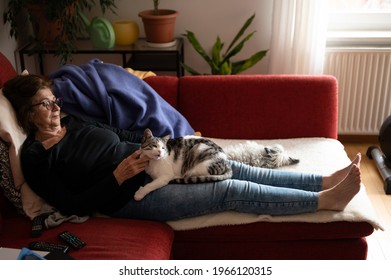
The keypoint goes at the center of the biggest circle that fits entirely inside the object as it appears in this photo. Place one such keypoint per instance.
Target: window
(360, 22)
(360, 5)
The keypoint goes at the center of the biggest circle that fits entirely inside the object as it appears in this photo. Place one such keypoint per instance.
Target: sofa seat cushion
(106, 238)
(329, 155)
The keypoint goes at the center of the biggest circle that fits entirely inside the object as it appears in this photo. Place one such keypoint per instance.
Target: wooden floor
(379, 243)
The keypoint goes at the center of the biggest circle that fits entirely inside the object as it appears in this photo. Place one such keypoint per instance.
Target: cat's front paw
(139, 195)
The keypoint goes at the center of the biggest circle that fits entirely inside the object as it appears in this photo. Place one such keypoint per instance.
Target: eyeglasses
(49, 104)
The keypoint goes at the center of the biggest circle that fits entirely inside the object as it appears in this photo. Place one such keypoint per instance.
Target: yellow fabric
(140, 74)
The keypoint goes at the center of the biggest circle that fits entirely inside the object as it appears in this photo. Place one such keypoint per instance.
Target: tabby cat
(188, 159)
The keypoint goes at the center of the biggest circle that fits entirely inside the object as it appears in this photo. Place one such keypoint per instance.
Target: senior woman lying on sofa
(70, 163)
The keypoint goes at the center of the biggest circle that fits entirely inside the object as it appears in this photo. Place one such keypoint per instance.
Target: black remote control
(37, 225)
(46, 246)
(72, 240)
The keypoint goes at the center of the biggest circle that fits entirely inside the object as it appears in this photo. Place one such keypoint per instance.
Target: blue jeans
(251, 190)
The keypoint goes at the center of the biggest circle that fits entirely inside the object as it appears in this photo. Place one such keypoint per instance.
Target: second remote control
(46, 246)
(72, 240)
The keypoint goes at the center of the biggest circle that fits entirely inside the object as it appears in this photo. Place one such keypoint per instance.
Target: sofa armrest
(260, 106)
(7, 71)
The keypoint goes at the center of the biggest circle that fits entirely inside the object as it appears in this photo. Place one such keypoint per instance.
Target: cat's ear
(148, 133)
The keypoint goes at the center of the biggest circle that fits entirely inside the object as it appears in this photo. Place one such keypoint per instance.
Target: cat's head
(153, 147)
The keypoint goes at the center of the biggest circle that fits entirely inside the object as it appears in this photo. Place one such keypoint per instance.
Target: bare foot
(333, 179)
(336, 198)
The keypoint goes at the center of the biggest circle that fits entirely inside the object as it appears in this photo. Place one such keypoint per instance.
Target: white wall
(206, 18)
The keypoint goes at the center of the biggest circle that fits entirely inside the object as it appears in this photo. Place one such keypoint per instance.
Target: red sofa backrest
(167, 87)
(260, 106)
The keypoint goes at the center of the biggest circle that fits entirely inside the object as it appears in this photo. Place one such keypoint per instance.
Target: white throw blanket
(316, 155)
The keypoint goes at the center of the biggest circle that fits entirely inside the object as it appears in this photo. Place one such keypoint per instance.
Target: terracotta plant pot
(160, 28)
(46, 31)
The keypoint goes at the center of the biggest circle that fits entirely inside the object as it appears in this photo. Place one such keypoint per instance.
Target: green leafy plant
(219, 61)
(60, 13)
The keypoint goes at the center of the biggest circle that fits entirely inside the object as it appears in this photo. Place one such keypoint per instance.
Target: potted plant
(56, 24)
(159, 25)
(219, 62)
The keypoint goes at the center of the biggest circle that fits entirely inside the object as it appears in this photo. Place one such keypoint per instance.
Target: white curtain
(298, 36)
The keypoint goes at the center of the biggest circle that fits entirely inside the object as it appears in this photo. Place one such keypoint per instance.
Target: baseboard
(359, 138)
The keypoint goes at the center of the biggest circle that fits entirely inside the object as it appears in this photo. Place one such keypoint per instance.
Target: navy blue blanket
(110, 94)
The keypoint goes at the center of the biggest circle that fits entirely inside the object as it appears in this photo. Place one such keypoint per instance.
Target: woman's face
(46, 113)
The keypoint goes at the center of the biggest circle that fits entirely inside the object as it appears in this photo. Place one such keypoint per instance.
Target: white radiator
(364, 85)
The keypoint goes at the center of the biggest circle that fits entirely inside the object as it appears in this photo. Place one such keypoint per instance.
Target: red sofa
(232, 107)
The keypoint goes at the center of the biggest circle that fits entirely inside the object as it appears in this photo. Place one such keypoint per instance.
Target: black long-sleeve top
(76, 174)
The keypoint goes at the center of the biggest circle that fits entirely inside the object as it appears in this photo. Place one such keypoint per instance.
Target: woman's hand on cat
(130, 166)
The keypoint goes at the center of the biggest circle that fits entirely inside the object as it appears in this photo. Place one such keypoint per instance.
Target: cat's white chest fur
(163, 167)
(162, 171)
